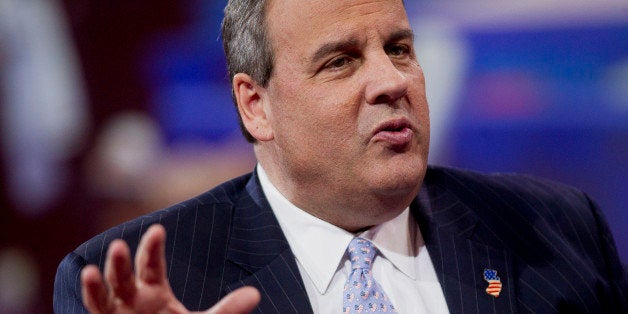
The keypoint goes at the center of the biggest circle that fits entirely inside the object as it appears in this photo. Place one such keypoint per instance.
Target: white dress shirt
(402, 267)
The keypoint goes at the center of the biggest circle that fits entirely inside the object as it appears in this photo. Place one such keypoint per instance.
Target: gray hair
(246, 44)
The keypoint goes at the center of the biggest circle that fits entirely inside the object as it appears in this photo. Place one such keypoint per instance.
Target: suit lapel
(461, 248)
(260, 251)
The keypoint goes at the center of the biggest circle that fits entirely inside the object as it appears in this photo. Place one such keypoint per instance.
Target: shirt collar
(396, 241)
(320, 246)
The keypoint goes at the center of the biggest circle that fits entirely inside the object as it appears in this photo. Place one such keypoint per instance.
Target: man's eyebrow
(403, 34)
(331, 47)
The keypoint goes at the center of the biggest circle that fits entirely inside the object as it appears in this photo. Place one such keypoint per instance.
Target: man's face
(347, 99)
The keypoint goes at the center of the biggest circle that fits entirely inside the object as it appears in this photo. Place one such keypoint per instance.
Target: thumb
(243, 300)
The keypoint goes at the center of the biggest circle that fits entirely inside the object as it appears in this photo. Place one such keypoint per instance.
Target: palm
(147, 290)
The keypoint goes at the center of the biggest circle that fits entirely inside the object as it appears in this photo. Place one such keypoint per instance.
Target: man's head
(339, 112)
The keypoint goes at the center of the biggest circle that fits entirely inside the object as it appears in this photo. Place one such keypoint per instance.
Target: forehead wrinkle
(362, 9)
(348, 10)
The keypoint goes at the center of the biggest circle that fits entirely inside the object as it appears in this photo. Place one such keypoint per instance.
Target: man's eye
(398, 50)
(338, 62)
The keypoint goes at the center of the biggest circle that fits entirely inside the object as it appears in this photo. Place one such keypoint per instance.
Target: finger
(150, 262)
(93, 290)
(243, 300)
(118, 271)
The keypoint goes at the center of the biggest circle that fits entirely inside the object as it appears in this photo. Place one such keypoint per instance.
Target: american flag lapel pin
(494, 284)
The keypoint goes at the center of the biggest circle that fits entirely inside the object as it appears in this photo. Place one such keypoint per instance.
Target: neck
(349, 210)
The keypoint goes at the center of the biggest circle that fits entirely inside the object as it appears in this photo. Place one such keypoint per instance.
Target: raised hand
(147, 290)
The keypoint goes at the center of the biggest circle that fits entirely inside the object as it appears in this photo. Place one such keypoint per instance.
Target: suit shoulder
(525, 207)
(210, 205)
(523, 186)
(521, 200)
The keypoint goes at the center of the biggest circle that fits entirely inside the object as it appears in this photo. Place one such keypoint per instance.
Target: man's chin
(398, 183)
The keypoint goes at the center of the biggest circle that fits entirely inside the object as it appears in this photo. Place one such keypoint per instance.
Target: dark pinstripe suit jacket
(548, 242)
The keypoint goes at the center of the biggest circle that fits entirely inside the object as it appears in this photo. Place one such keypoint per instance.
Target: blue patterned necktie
(362, 293)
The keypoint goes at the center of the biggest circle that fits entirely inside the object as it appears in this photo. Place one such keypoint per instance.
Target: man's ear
(252, 102)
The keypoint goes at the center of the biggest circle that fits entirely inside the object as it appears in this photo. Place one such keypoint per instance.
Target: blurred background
(111, 109)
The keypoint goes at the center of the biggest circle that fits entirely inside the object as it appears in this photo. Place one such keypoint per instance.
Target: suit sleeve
(616, 272)
(67, 286)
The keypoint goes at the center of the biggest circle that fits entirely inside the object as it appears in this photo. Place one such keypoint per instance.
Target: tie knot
(361, 253)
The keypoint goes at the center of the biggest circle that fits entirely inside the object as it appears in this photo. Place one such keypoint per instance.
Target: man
(332, 96)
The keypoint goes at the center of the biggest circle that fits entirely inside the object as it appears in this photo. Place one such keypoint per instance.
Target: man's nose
(386, 83)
